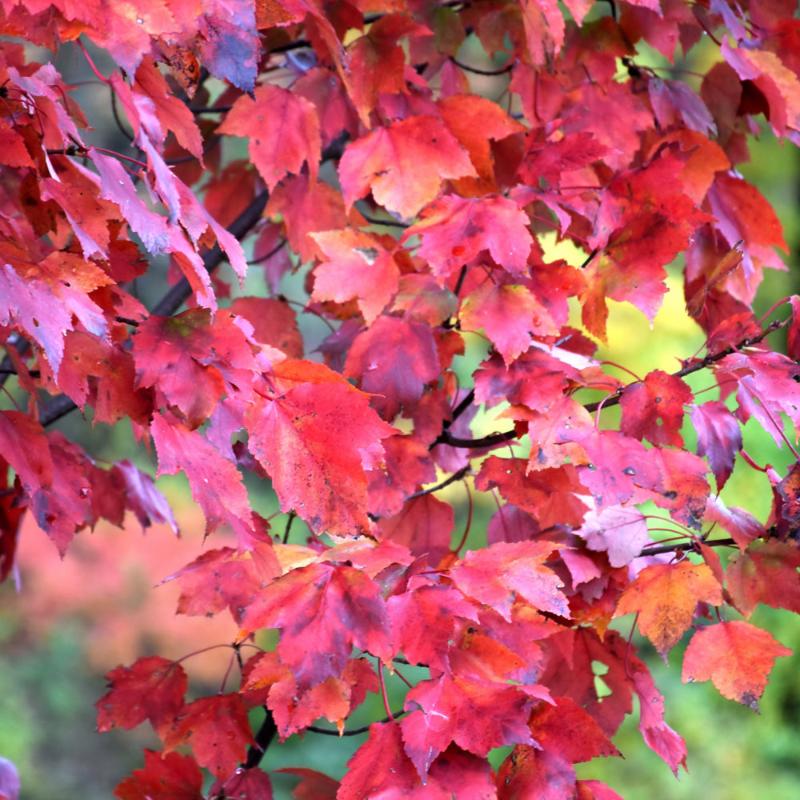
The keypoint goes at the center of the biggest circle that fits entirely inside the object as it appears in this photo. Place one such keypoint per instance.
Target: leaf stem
(468, 524)
(382, 683)
(90, 61)
(268, 256)
(748, 459)
(201, 651)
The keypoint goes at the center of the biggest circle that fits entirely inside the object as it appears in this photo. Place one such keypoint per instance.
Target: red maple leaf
(424, 526)
(765, 574)
(455, 230)
(718, 437)
(476, 716)
(425, 198)
(385, 162)
(653, 409)
(217, 729)
(283, 132)
(498, 574)
(164, 775)
(359, 267)
(509, 314)
(151, 689)
(215, 482)
(369, 361)
(665, 597)
(736, 656)
(307, 605)
(316, 436)
(424, 622)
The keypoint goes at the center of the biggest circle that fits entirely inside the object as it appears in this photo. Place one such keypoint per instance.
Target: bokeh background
(72, 620)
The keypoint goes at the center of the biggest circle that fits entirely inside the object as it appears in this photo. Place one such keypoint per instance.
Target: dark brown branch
(180, 292)
(56, 409)
(175, 297)
(491, 440)
(465, 403)
(589, 258)
(211, 110)
(7, 372)
(688, 369)
(613, 6)
(263, 738)
(7, 363)
(460, 281)
(297, 44)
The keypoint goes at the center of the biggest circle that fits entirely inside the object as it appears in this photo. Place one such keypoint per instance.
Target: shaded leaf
(151, 689)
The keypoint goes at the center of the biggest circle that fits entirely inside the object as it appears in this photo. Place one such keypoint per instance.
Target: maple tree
(351, 148)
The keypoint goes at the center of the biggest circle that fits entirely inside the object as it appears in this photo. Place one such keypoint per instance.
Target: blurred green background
(75, 619)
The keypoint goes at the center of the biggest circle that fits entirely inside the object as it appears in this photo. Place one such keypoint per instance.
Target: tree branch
(354, 731)
(485, 441)
(654, 550)
(696, 366)
(611, 400)
(264, 736)
(175, 297)
(180, 292)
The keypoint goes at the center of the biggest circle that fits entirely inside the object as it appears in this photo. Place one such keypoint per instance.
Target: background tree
(457, 192)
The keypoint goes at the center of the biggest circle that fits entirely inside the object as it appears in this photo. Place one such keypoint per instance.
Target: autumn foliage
(358, 149)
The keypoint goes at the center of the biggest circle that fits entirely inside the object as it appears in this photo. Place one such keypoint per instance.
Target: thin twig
(267, 256)
(211, 110)
(655, 550)
(613, 399)
(289, 522)
(485, 441)
(456, 476)
(465, 403)
(478, 71)
(389, 223)
(355, 731)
